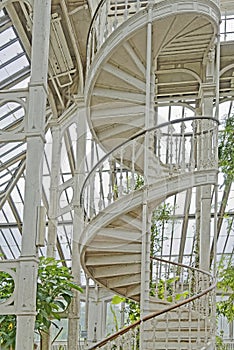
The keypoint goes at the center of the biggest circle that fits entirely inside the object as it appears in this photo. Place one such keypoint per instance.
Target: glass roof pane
(7, 36)
(13, 67)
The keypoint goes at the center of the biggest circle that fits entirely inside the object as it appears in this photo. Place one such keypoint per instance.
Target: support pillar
(54, 183)
(35, 124)
(146, 232)
(53, 211)
(74, 311)
(207, 94)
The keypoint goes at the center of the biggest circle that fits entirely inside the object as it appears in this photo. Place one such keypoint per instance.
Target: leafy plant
(161, 216)
(54, 295)
(226, 151)
(132, 309)
(219, 343)
(226, 284)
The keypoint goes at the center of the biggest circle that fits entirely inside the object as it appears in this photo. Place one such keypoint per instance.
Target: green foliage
(139, 182)
(165, 290)
(54, 291)
(7, 286)
(226, 150)
(161, 216)
(7, 330)
(54, 294)
(219, 343)
(7, 322)
(133, 311)
(117, 300)
(226, 284)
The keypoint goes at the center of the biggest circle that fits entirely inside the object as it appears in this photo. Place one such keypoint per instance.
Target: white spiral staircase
(129, 43)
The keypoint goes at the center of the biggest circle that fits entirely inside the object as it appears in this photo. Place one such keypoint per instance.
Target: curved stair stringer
(116, 81)
(180, 325)
(111, 242)
(111, 247)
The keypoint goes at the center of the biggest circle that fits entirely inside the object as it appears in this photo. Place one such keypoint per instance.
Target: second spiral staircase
(141, 54)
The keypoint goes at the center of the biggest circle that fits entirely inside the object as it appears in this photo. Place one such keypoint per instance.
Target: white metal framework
(151, 81)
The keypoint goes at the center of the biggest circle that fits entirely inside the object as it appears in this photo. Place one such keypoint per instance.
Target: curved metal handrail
(182, 265)
(95, 17)
(134, 137)
(161, 312)
(104, 26)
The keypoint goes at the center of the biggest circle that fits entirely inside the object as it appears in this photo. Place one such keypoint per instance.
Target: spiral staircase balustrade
(110, 14)
(192, 291)
(175, 149)
(175, 282)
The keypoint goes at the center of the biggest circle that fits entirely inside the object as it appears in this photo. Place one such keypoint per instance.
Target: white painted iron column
(54, 194)
(146, 231)
(27, 278)
(74, 310)
(208, 92)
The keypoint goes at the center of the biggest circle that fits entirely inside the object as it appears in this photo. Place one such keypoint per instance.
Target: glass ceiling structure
(179, 235)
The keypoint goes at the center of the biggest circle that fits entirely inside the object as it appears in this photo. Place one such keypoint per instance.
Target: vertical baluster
(199, 320)
(135, 334)
(115, 22)
(126, 10)
(160, 271)
(167, 329)
(91, 195)
(101, 203)
(180, 316)
(106, 29)
(199, 149)
(206, 318)
(156, 277)
(86, 200)
(89, 48)
(174, 283)
(176, 153)
(183, 145)
(171, 130)
(100, 27)
(120, 187)
(117, 343)
(203, 145)
(133, 166)
(206, 143)
(167, 145)
(93, 45)
(137, 5)
(215, 133)
(165, 296)
(190, 325)
(190, 283)
(130, 340)
(210, 155)
(213, 149)
(192, 151)
(158, 141)
(153, 325)
(109, 195)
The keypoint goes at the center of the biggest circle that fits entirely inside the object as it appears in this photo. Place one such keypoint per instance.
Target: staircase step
(114, 246)
(115, 270)
(123, 281)
(112, 259)
(183, 345)
(125, 235)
